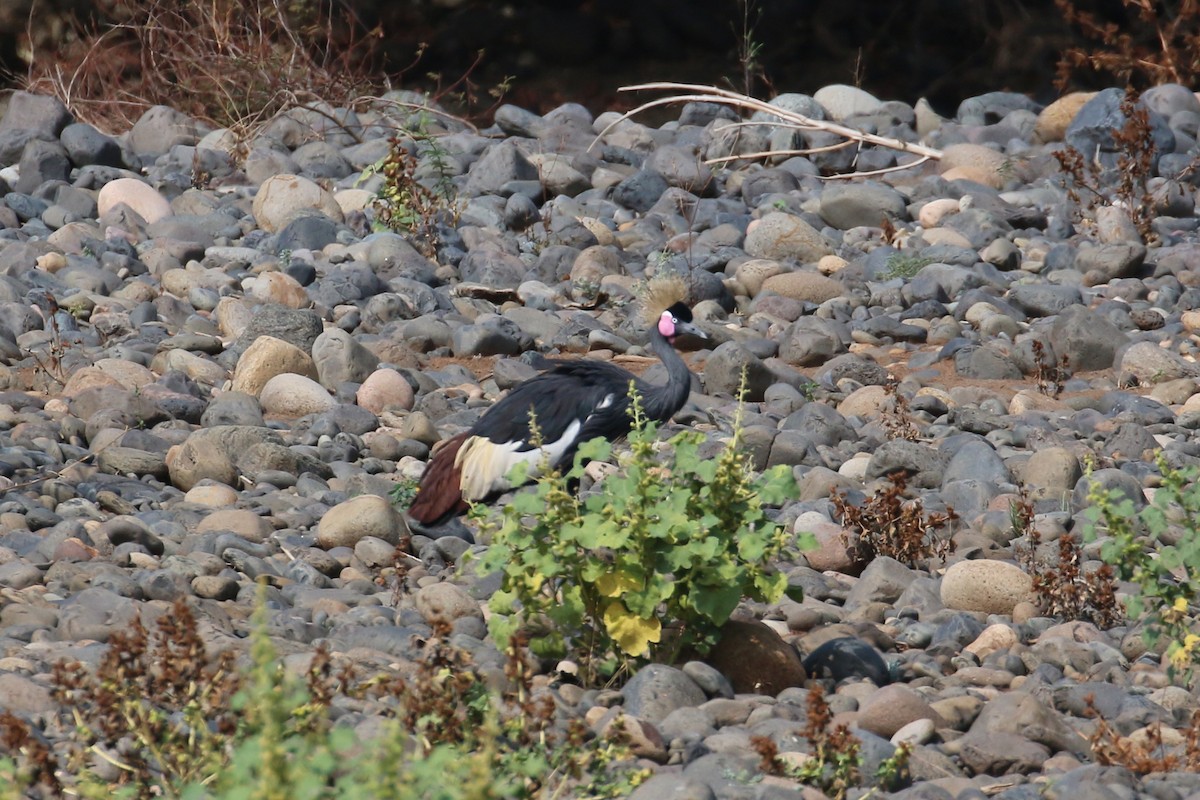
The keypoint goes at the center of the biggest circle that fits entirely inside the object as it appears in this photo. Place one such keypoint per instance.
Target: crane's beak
(690, 330)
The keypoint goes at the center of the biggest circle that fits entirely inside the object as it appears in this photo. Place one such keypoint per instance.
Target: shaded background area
(547, 53)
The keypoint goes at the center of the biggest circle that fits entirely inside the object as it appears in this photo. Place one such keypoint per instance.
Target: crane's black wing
(593, 393)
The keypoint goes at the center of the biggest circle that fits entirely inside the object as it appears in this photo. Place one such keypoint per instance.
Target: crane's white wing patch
(485, 465)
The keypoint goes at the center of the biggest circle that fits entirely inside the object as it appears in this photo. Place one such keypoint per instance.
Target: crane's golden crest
(660, 293)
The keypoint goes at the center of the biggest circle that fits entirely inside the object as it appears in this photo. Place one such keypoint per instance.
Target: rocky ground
(215, 371)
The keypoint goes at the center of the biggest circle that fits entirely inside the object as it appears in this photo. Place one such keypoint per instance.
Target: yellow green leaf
(631, 633)
(615, 584)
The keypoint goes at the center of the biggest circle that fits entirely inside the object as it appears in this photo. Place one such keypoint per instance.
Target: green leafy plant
(407, 203)
(403, 492)
(650, 565)
(904, 265)
(1156, 548)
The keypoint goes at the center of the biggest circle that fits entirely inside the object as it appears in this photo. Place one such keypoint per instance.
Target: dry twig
(783, 118)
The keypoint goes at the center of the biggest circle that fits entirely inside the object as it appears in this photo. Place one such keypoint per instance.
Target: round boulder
(359, 517)
(986, 586)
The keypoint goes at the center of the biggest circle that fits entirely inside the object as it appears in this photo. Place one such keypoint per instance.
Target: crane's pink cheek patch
(666, 326)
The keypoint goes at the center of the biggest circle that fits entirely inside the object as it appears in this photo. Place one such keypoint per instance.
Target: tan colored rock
(946, 236)
(130, 374)
(933, 212)
(292, 395)
(866, 401)
(830, 265)
(281, 288)
(349, 200)
(812, 287)
(832, 552)
(786, 237)
(141, 197)
(245, 523)
(365, 515)
(443, 603)
(892, 707)
(212, 495)
(197, 367)
(86, 378)
(1051, 473)
(233, 315)
(751, 274)
(267, 357)
(986, 586)
(642, 737)
(1052, 123)
(1029, 400)
(993, 639)
(283, 198)
(385, 388)
(974, 162)
(1191, 321)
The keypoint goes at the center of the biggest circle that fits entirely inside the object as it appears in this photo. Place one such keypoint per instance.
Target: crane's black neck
(661, 402)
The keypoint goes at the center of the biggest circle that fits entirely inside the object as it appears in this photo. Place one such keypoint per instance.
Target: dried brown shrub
(1090, 186)
(890, 524)
(1159, 43)
(228, 62)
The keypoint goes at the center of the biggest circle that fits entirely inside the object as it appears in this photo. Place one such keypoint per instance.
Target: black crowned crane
(572, 403)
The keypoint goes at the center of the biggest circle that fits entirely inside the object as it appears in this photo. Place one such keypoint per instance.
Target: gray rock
(729, 776)
(232, 408)
(490, 336)
(1152, 364)
(640, 191)
(989, 362)
(310, 231)
(341, 358)
(682, 168)
(1001, 753)
(1110, 480)
(1041, 300)
(709, 679)
(977, 460)
(811, 341)
(40, 113)
(924, 465)
(1087, 339)
(676, 787)
(656, 690)
(159, 129)
(86, 145)
(884, 580)
(1091, 131)
(1022, 714)
(500, 164)
(492, 268)
(1106, 262)
(41, 162)
(850, 205)
(723, 372)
